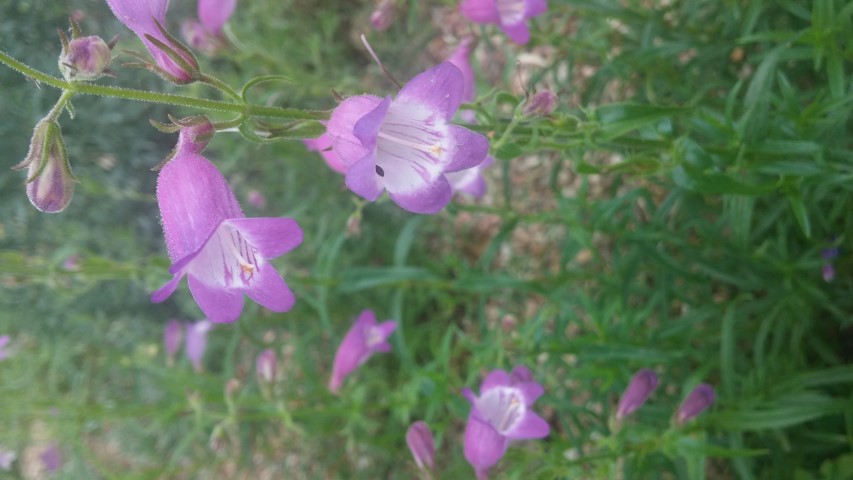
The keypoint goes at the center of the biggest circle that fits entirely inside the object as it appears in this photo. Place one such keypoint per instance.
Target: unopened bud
(696, 402)
(85, 59)
(265, 366)
(421, 444)
(50, 183)
(541, 104)
(381, 18)
(643, 383)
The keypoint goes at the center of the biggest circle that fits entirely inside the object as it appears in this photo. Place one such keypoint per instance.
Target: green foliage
(670, 214)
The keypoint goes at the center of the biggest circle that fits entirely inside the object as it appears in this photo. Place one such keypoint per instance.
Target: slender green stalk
(251, 110)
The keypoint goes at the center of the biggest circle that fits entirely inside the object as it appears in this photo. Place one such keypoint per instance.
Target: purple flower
(4, 340)
(51, 458)
(500, 414)
(256, 199)
(421, 444)
(828, 272)
(265, 366)
(175, 62)
(696, 402)
(510, 15)
(223, 254)
(406, 145)
(643, 383)
(173, 333)
(323, 146)
(363, 339)
(461, 59)
(205, 34)
(197, 342)
(471, 180)
(50, 183)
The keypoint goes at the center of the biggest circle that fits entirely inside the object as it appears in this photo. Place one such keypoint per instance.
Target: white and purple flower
(510, 15)
(500, 414)
(196, 343)
(363, 339)
(406, 145)
(223, 254)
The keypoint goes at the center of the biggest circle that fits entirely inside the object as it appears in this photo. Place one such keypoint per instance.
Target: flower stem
(249, 109)
(60, 104)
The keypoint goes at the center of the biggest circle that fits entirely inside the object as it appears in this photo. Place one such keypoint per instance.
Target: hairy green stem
(248, 109)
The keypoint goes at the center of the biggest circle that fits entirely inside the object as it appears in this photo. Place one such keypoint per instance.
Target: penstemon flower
(173, 333)
(205, 34)
(323, 146)
(421, 444)
(501, 413)
(363, 339)
(50, 183)
(697, 401)
(223, 254)
(642, 385)
(4, 340)
(510, 15)
(406, 145)
(196, 342)
(471, 180)
(147, 19)
(265, 366)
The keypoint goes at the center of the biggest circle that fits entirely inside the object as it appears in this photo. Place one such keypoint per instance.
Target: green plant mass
(447, 239)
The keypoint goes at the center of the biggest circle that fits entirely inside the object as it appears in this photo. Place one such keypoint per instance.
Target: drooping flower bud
(421, 444)
(696, 402)
(265, 366)
(541, 103)
(85, 59)
(50, 183)
(643, 383)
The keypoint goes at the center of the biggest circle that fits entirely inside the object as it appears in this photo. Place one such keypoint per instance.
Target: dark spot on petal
(379, 171)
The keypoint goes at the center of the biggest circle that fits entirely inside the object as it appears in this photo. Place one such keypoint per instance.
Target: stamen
(245, 266)
(435, 149)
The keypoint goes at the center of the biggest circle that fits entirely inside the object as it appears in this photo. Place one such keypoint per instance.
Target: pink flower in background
(461, 59)
(265, 366)
(471, 181)
(420, 442)
(223, 254)
(256, 199)
(6, 459)
(4, 340)
(323, 146)
(363, 339)
(142, 16)
(173, 334)
(205, 34)
(197, 342)
(406, 145)
(642, 385)
(500, 414)
(541, 103)
(510, 15)
(381, 17)
(696, 402)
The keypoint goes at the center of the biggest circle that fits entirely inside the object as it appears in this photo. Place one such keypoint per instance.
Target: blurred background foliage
(671, 214)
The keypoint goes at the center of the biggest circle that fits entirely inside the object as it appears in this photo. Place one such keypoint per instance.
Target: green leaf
(795, 199)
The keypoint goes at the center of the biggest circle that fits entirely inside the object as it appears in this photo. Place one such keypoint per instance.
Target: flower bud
(541, 104)
(381, 18)
(85, 59)
(696, 402)
(265, 366)
(50, 183)
(643, 383)
(421, 444)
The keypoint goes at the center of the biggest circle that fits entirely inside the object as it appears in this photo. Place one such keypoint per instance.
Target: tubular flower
(471, 181)
(205, 34)
(642, 385)
(50, 183)
(363, 339)
(223, 254)
(510, 15)
(147, 18)
(501, 413)
(406, 145)
(265, 366)
(173, 333)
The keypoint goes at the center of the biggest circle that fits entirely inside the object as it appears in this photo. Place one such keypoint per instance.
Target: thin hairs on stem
(376, 59)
